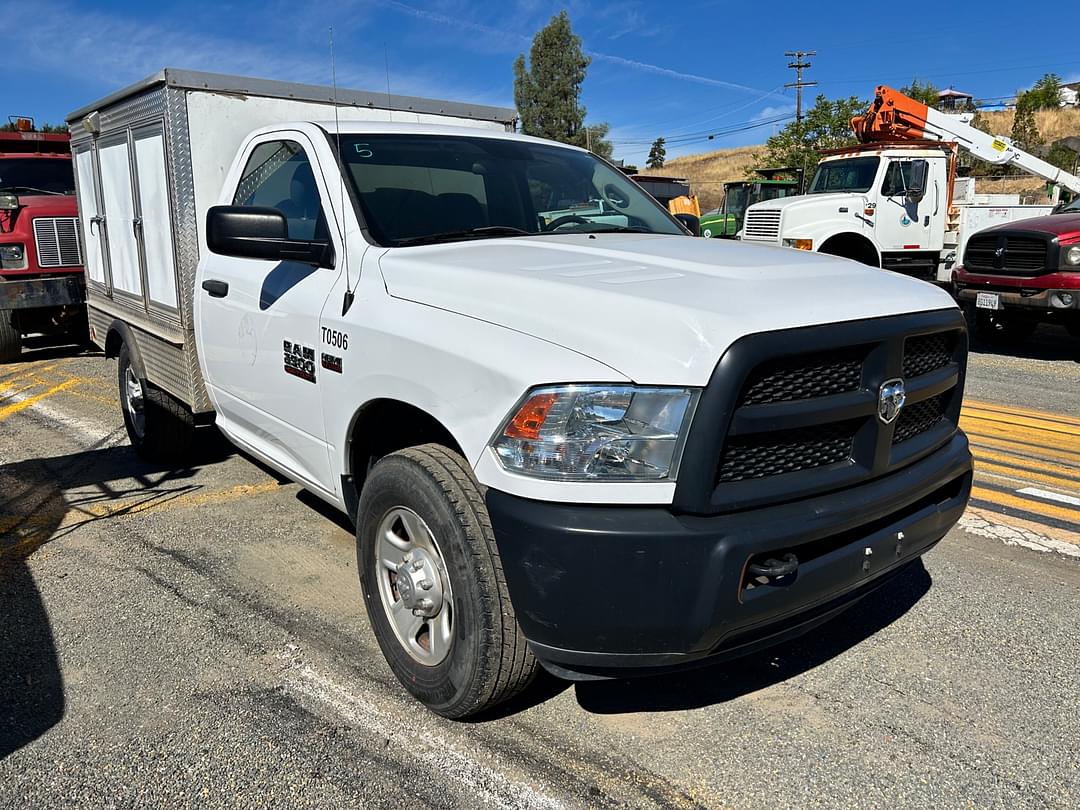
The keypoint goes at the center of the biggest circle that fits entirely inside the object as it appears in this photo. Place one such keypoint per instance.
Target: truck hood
(657, 309)
(806, 200)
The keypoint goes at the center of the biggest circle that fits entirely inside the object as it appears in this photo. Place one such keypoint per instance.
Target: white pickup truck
(568, 434)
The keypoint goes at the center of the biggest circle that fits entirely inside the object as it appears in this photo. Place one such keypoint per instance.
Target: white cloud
(773, 112)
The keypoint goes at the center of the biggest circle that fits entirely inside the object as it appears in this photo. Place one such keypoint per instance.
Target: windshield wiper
(25, 189)
(614, 229)
(450, 236)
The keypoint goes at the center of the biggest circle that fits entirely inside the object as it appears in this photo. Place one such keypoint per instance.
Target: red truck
(1020, 274)
(42, 288)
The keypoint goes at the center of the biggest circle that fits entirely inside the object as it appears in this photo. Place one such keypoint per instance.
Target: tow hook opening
(770, 569)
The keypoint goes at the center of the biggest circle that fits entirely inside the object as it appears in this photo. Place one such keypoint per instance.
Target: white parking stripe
(484, 783)
(1050, 496)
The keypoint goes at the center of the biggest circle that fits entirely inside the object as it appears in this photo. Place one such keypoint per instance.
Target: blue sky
(682, 70)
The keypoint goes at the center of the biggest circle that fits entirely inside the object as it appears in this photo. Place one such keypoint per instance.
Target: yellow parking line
(1031, 505)
(1002, 409)
(1065, 468)
(1038, 423)
(999, 471)
(1022, 423)
(22, 405)
(24, 373)
(979, 442)
(165, 500)
(1042, 438)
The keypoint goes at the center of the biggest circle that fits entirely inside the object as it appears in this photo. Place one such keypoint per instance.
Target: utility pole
(798, 65)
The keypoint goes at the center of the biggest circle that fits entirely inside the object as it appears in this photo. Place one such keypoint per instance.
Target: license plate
(988, 301)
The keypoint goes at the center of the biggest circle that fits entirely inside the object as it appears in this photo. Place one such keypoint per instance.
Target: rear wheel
(433, 584)
(10, 339)
(160, 427)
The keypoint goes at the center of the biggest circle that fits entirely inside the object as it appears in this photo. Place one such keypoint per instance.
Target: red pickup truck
(1017, 275)
(42, 288)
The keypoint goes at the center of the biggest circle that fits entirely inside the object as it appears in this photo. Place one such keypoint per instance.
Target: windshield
(49, 175)
(427, 188)
(850, 174)
(1071, 208)
(769, 191)
(735, 200)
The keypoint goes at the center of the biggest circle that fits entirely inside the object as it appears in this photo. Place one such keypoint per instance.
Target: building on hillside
(951, 100)
(1070, 94)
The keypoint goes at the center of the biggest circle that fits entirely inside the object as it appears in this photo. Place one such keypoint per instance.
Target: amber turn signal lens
(803, 244)
(530, 417)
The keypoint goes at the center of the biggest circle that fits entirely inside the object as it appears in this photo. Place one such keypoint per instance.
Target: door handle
(136, 226)
(97, 220)
(217, 289)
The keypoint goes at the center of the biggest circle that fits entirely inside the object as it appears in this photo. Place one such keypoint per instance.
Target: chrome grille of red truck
(57, 241)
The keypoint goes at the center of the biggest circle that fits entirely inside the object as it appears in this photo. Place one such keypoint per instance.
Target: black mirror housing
(254, 232)
(690, 222)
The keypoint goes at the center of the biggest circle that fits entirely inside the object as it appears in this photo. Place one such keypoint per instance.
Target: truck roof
(249, 86)
(413, 128)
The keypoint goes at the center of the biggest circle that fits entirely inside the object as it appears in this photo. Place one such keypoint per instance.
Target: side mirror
(252, 232)
(691, 223)
(917, 182)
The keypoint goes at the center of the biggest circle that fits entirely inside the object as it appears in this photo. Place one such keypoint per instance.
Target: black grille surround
(1012, 253)
(744, 453)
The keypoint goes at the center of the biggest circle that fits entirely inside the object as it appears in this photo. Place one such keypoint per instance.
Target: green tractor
(726, 221)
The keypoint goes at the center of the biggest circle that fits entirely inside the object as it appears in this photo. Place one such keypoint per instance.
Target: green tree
(925, 92)
(826, 125)
(1044, 95)
(597, 140)
(547, 91)
(657, 155)
(1025, 134)
(10, 127)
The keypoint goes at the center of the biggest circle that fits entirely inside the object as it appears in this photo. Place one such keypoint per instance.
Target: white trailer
(150, 160)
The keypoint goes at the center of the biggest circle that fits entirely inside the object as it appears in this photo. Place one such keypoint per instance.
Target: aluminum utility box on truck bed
(150, 160)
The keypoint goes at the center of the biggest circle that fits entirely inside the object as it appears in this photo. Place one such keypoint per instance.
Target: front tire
(434, 586)
(160, 427)
(10, 339)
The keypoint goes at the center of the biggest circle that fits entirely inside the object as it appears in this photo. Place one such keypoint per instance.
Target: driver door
(904, 220)
(258, 320)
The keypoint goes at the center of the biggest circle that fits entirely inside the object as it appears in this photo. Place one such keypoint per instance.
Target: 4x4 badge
(891, 398)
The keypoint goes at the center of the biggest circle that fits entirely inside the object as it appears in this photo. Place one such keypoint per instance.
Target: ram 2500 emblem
(891, 398)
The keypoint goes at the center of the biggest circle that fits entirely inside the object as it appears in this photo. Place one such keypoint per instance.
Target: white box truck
(568, 435)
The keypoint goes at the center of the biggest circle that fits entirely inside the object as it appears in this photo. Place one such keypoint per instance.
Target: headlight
(597, 433)
(1072, 255)
(11, 257)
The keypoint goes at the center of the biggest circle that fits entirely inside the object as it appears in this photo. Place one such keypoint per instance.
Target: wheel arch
(851, 245)
(382, 426)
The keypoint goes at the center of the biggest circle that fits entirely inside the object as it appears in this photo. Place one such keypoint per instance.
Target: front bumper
(39, 293)
(603, 591)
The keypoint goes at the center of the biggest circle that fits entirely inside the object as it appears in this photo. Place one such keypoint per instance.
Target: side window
(898, 177)
(278, 175)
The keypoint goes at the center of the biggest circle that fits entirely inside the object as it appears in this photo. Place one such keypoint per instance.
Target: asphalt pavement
(195, 637)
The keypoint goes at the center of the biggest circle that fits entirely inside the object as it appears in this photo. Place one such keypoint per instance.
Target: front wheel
(433, 584)
(160, 427)
(10, 339)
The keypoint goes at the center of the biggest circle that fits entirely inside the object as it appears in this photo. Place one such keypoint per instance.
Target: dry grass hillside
(708, 171)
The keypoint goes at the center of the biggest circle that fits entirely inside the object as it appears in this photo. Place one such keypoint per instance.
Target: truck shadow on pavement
(42, 347)
(719, 683)
(41, 501)
(1049, 342)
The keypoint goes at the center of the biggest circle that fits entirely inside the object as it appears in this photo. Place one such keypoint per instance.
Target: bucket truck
(893, 200)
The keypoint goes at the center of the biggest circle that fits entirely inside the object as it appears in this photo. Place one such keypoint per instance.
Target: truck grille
(762, 224)
(57, 241)
(775, 426)
(996, 252)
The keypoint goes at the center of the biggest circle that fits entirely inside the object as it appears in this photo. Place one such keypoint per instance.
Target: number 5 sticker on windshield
(363, 151)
